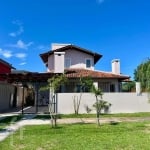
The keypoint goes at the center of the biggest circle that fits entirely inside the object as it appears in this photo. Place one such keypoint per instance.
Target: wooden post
(22, 100)
(36, 90)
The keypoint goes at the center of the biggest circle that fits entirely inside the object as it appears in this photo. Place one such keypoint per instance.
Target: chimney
(55, 46)
(59, 62)
(115, 66)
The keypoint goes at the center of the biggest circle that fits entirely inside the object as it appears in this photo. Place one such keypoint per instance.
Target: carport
(24, 78)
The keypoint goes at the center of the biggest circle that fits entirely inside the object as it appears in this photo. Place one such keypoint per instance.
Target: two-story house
(80, 62)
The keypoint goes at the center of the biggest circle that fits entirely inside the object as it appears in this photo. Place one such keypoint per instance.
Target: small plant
(100, 104)
(85, 85)
(88, 109)
(76, 103)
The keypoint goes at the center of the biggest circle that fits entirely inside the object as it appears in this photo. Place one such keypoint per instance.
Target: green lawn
(141, 114)
(122, 136)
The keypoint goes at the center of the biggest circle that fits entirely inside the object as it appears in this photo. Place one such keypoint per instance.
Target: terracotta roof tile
(76, 73)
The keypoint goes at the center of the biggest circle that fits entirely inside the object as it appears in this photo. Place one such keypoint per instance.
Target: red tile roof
(77, 73)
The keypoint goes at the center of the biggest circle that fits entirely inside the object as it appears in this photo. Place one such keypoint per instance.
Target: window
(88, 63)
(67, 62)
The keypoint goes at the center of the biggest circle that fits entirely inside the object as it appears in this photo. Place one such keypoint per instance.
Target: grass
(9, 120)
(123, 136)
(141, 114)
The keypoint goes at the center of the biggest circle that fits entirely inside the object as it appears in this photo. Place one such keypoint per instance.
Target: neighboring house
(80, 62)
(7, 91)
(5, 67)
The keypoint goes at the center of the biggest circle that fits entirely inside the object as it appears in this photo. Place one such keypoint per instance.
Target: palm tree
(100, 104)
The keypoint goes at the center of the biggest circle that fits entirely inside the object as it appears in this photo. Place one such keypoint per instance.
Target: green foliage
(128, 86)
(142, 74)
(56, 81)
(97, 92)
(54, 84)
(62, 116)
(101, 105)
(86, 84)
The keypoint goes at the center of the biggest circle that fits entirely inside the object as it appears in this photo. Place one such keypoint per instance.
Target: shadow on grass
(114, 123)
(3, 130)
(80, 123)
(56, 127)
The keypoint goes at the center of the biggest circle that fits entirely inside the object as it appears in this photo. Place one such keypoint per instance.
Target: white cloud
(21, 55)
(23, 63)
(6, 53)
(20, 44)
(100, 1)
(9, 54)
(19, 31)
(43, 47)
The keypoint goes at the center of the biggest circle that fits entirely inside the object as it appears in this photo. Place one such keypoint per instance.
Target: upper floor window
(67, 62)
(88, 63)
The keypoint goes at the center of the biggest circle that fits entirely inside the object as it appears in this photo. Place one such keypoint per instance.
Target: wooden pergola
(28, 77)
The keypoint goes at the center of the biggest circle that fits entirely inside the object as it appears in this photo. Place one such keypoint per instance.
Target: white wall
(50, 63)
(116, 66)
(59, 62)
(121, 102)
(77, 60)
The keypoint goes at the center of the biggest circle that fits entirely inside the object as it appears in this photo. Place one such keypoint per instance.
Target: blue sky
(114, 28)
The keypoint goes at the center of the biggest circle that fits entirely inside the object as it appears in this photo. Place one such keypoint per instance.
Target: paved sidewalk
(13, 127)
(28, 120)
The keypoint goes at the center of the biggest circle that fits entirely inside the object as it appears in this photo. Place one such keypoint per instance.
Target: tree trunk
(97, 113)
(98, 120)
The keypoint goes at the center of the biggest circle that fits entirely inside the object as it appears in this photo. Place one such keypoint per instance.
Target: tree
(142, 74)
(100, 104)
(128, 86)
(85, 85)
(54, 85)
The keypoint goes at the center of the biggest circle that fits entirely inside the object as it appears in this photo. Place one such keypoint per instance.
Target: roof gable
(45, 56)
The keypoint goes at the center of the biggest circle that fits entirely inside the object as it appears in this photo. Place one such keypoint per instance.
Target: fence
(6, 96)
(121, 102)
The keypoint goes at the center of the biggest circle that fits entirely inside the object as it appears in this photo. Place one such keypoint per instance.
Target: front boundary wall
(121, 102)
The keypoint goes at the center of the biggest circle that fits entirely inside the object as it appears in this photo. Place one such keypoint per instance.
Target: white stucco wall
(59, 62)
(121, 102)
(78, 60)
(50, 63)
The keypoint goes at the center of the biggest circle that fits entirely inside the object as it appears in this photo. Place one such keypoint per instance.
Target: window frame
(87, 64)
(67, 60)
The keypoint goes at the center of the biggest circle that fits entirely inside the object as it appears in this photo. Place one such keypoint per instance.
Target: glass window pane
(67, 63)
(88, 63)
